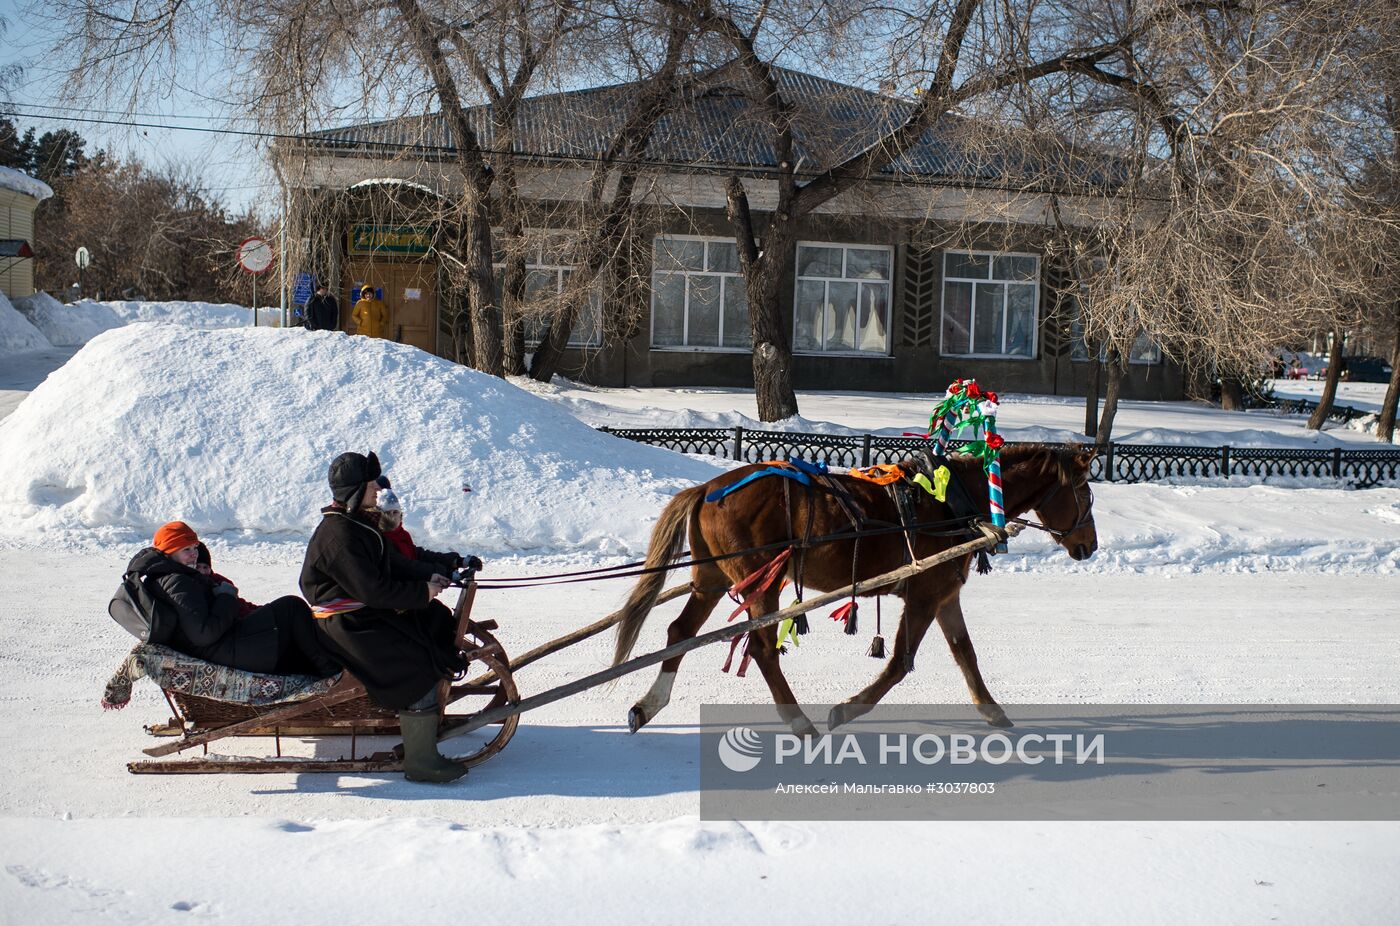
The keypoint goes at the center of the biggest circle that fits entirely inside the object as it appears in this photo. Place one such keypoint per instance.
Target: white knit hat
(386, 500)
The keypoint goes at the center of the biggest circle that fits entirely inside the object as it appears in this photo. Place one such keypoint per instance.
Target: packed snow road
(578, 821)
(1205, 638)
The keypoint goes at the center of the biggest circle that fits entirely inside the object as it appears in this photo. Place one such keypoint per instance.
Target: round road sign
(255, 255)
(82, 258)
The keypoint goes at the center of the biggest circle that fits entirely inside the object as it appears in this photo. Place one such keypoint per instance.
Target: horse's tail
(666, 541)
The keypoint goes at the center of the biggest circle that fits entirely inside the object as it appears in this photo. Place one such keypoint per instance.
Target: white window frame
(972, 314)
(727, 279)
(541, 234)
(846, 248)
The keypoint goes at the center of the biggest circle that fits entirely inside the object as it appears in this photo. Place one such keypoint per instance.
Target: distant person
(322, 310)
(370, 315)
(377, 614)
(213, 624)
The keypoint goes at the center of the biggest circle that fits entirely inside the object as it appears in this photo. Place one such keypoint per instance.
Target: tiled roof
(716, 126)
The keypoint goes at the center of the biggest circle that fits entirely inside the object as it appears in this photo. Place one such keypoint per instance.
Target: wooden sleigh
(212, 703)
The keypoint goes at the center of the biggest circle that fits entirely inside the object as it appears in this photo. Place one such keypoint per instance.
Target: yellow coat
(371, 318)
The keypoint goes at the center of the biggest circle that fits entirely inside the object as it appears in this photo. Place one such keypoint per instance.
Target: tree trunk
(513, 321)
(1385, 428)
(1231, 394)
(487, 330)
(1329, 388)
(1116, 369)
(763, 274)
(1091, 392)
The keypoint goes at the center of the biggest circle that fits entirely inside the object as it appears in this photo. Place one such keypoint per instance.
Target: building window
(1145, 350)
(697, 295)
(548, 266)
(990, 304)
(842, 299)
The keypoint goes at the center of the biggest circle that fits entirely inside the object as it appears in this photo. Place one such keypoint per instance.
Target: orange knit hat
(174, 536)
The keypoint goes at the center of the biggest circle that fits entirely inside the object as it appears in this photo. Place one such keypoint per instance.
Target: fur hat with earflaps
(347, 477)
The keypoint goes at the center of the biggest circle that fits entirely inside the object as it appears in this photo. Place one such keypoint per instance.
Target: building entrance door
(410, 293)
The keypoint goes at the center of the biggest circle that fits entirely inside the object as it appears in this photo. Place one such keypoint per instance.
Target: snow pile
(20, 182)
(17, 333)
(193, 314)
(67, 325)
(233, 431)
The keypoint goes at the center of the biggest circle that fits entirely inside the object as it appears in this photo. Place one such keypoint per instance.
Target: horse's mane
(1063, 457)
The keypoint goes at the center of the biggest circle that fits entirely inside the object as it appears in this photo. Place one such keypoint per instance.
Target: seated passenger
(276, 638)
(376, 612)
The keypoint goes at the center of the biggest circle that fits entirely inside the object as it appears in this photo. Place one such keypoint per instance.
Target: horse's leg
(913, 624)
(763, 646)
(950, 620)
(706, 592)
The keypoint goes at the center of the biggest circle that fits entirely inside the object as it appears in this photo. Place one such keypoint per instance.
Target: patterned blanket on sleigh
(176, 671)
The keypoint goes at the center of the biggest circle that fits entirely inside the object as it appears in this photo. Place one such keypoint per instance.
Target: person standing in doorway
(322, 310)
(370, 315)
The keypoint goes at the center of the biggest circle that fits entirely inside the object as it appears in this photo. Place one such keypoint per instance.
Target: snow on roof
(20, 182)
(233, 430)
(393, 181)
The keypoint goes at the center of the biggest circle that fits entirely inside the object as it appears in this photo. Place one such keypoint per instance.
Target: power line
(321, 138)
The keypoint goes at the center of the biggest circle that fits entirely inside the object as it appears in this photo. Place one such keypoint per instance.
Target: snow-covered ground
(1021, 417)
(1199, 594)
(68, 325)
(17, 333)
(1361, 396)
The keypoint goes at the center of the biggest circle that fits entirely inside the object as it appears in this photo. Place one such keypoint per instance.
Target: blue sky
(230, 167)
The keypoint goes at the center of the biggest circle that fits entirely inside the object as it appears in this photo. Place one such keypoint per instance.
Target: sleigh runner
(210, 703)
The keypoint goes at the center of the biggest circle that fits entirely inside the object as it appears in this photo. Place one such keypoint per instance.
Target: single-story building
(20, 195)
(925, 273)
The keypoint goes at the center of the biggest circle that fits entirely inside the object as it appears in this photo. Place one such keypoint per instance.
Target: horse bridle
(1083, 509)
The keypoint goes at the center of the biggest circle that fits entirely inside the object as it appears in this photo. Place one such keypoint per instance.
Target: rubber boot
(421, 759)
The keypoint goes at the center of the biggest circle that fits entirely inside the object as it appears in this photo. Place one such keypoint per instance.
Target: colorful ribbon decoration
(966, 405)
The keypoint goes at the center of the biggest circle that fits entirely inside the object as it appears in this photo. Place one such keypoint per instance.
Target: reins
(963, 526)
(629, 570)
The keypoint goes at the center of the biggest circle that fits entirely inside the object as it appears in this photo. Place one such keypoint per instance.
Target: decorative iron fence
(1112, 462)
(1341, 413)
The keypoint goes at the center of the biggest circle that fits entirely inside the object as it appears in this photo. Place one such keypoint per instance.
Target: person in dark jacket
(276, 638)
(376, 612)
(322, 310)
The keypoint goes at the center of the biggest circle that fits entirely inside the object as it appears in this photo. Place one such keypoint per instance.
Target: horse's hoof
(635, 720)
(840, 714)
(994, 715)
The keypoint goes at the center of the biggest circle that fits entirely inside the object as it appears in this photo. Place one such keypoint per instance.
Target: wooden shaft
(989, 539)
(576, 636)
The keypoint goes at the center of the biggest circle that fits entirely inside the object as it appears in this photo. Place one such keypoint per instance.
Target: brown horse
(1051, 481)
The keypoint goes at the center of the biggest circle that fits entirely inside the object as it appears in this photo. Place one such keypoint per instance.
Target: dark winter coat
(208, 626)
(322, 313)
(401, 643)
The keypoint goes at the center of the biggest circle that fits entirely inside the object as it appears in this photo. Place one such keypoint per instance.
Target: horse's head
(1067, 506)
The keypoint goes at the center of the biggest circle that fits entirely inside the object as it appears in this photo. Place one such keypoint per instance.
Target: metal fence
(1341, 413)
(1112, 462)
